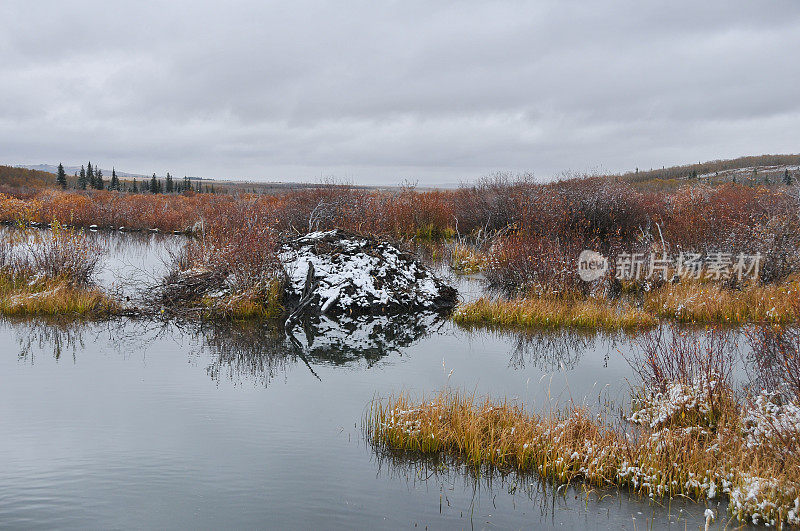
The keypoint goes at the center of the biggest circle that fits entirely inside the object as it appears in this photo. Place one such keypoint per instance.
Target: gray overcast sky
(383, 92)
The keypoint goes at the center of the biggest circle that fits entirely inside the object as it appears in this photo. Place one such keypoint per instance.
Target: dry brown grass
(53, 297)
(552, 312)
(687, 302)
(466, 260)
(260, 304)
(706, 302)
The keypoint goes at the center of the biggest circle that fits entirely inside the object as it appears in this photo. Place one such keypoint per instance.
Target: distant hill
(758, 169)
(24, 179)
(743, 170)
(221, 186)
(71, 170)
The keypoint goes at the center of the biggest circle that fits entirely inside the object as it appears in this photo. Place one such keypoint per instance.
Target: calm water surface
(134, 424)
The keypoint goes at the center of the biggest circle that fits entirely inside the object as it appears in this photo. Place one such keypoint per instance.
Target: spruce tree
(62, 176)
(90, 174)
(170, 186)
(154, 184)
(135, 187)
(787, 177)
(98, 180)
(82, 179)
(114, 180)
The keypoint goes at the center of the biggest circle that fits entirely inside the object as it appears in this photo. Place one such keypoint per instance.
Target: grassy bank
(683, 445)
(52, 297)
(552, 312)
(698, 303)
(258, 304)
(713, 303)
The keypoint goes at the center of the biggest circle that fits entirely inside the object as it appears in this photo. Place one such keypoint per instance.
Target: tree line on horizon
(91, 177)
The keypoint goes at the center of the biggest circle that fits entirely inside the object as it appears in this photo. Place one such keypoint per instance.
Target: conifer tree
(169, 186)
(154, 184)
(90, 174)
(114, 180)
(787, 177)
(62, 176)
(82, 179)
(98, 180)
(135, 187)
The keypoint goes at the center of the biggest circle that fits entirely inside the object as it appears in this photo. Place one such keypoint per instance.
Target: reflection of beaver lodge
(337, 273)
(346, 339)
(250, 350)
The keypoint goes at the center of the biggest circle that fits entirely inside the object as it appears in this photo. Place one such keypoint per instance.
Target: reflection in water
(775, 359)
(349, 338)
(553, 350)
(239, 350)
(56, 335)
(246, 351)
(462, 488)
(673, 353)
(255, 351)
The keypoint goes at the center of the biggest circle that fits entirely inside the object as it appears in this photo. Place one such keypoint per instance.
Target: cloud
(381, 93)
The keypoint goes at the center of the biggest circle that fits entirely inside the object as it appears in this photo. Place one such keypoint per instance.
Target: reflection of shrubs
(775, 352)
(670, 355)
(246, 351)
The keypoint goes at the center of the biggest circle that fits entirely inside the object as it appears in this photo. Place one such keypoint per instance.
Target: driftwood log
(309, 290)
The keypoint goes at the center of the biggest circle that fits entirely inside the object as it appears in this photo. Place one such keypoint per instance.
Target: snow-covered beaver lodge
(326, 273)
(360, 275)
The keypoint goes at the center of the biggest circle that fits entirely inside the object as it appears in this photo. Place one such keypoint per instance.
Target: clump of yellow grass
(706, 302)
(673, 456)
(252, 304)
(52, 297)
(553, 312)
(466, 260)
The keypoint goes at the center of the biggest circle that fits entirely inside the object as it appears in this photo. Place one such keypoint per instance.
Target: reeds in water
(680, 452)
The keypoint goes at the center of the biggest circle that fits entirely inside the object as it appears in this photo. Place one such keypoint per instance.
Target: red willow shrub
(242, 241)
(557, 222)
(536, 230)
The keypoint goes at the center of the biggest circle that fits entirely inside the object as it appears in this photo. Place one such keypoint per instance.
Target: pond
(138, 423)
